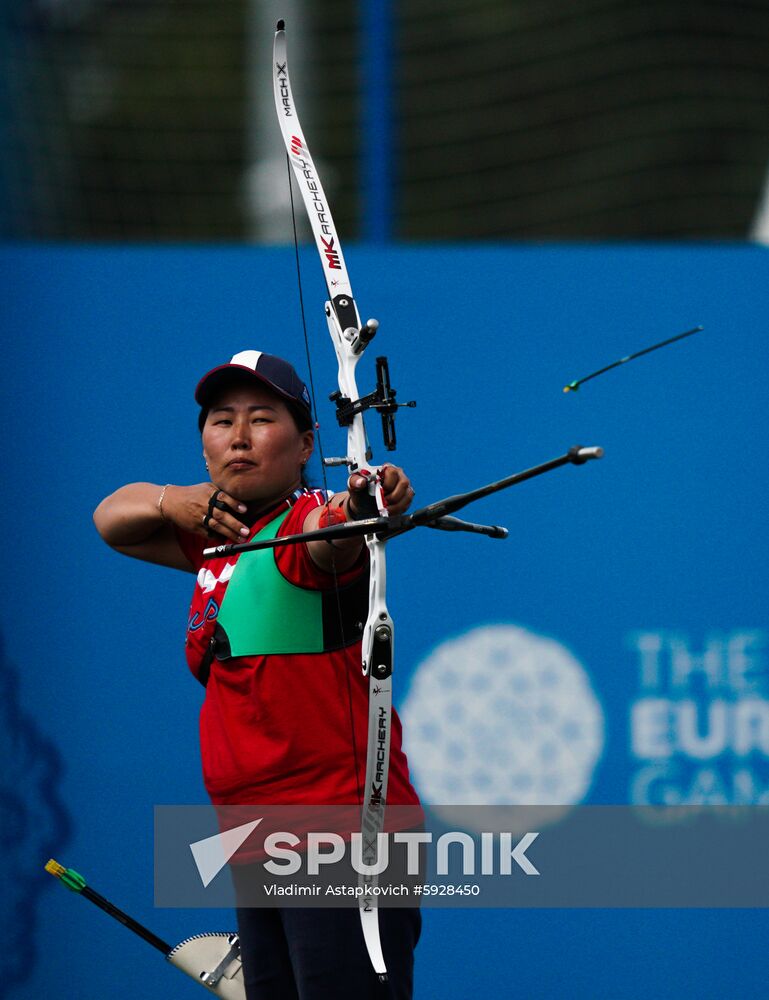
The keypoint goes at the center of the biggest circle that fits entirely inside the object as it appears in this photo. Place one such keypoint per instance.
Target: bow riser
(347, 361)
(376, 653)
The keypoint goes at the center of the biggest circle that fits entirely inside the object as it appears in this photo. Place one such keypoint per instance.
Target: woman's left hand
(396, 488)
(341, 554)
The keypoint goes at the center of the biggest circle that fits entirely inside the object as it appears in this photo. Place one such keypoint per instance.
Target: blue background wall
(103, 348)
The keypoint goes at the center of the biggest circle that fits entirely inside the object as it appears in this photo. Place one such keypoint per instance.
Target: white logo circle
(502, 716)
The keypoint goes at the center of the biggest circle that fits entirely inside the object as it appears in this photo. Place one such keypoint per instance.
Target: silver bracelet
(160, 501)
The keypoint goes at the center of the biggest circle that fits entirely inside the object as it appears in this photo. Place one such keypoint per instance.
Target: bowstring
(356, 763)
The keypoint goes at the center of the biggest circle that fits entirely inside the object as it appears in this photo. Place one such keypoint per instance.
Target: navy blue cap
(270, 370)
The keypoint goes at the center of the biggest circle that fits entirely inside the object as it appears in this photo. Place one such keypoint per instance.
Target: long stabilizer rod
(431, 516)
(576, 456)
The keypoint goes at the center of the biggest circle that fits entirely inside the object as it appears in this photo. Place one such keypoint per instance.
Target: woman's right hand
(139, 519)
(204, 510)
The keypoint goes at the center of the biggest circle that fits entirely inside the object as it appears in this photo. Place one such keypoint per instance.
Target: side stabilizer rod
(455, 524)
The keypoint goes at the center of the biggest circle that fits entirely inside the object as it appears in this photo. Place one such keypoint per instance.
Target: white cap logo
(249, 359)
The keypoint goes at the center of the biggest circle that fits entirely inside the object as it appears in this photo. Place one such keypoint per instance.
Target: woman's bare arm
(132, 520)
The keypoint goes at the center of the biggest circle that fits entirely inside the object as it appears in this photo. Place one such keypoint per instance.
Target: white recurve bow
(350, 339)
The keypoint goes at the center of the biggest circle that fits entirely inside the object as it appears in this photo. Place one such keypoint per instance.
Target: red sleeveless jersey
(280, 728)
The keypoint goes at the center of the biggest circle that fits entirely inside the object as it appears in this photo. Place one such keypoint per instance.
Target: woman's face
(253, 448)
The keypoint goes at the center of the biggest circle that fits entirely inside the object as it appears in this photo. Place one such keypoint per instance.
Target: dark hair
(302, 421)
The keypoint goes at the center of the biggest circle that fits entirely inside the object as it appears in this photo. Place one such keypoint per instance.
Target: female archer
(276, 640)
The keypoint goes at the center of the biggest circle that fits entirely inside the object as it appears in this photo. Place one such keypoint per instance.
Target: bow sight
(381, 399)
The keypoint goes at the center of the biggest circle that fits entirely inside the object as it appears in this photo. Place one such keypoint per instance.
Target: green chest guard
(263, 613)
